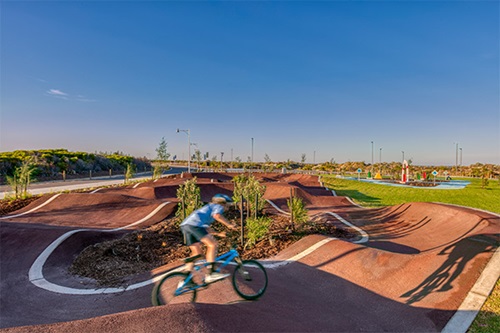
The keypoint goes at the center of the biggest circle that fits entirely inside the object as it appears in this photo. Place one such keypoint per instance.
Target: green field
(488, 198)
(377, 195)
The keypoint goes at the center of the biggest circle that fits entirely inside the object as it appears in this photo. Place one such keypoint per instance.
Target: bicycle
(249, 279)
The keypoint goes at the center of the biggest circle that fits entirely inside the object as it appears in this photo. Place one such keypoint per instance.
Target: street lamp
(380, 155)
(252, 150)
(372, 153)
(460, 156)
(189, 147)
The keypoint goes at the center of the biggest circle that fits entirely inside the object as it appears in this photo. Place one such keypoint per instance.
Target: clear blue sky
(322, 78)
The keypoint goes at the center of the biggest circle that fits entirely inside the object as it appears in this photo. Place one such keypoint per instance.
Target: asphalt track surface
(411, 268)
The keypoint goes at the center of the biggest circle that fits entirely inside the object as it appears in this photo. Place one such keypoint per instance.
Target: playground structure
(405, 172)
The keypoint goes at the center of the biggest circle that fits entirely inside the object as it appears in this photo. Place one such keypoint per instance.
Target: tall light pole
(221, 156)
(460, 156)
(189, 146)
(403, 155)
(380, 155)
(372, 153)
(252, 150)
(456, 157)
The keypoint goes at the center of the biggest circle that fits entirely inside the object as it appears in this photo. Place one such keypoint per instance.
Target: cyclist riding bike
(196, 230)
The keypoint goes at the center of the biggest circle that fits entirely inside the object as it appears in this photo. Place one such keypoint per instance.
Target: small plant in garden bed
(111, 262)
(10, 205)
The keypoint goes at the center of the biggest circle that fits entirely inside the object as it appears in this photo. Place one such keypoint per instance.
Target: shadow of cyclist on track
(459, 254)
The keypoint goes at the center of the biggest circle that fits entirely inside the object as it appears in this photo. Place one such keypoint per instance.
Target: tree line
(24, 166)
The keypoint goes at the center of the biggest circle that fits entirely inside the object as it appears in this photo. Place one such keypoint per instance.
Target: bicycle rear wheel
(250, 279)
(166, 292)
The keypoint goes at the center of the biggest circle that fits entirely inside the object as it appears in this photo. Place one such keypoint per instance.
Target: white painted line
(364, 235)
(364, 239)
(277, 208)
(470, 307)
(31, 210)
(355, 204)
(468, 310)
(300, 255)
(36, 271)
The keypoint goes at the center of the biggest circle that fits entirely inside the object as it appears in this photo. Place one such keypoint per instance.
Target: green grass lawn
(377, 195)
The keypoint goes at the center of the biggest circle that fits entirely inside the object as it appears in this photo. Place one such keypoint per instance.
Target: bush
(190, 198)
(298, 210)
(252, 192)
(257, 228)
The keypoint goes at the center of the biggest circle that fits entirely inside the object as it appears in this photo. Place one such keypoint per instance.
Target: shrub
(257, 228)
(129, 173)
(298, 210)
(252, 192)
(190, 198)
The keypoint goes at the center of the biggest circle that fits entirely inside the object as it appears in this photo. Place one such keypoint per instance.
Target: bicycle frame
(226, 258)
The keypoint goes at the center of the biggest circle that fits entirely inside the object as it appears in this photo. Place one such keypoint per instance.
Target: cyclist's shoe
(188, 285)
(209, 278)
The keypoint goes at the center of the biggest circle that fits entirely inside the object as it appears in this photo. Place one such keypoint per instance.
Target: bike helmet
(221, 198)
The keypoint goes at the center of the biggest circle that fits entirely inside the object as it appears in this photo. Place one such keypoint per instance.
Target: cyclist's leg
(192, 236)
(195, 250)
(211, 244)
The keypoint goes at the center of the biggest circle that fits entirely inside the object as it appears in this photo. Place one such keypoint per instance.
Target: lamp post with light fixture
(189, 147)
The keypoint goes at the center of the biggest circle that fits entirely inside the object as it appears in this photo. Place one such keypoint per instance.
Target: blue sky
(321, 78)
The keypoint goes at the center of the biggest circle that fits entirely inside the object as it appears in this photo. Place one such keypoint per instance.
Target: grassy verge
(488, 319)
(376, 195)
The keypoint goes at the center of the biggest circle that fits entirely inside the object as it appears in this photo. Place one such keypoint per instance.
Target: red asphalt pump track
(410, 269)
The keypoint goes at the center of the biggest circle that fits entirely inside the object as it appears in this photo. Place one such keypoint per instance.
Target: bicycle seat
(193, 258)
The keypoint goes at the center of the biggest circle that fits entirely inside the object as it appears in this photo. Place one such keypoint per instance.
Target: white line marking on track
(364, 239)
(31, 210)
(36, 271)
(364, 235)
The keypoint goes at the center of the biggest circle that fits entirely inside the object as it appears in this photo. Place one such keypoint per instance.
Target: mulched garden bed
(110, 262)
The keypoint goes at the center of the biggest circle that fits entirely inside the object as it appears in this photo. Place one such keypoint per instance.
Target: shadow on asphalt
(458, 255)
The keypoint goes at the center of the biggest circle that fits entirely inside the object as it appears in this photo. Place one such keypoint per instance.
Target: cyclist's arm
(223, 220)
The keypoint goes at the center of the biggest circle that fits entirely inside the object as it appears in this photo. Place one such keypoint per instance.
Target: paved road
(76, 184)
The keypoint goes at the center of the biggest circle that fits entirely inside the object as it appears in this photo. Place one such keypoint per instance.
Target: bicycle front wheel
(250, 279)
(169, 290)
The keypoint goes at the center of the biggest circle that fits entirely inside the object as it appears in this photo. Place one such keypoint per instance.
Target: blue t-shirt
(204, 215)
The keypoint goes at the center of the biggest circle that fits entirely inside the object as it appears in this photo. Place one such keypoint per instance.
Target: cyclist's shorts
(193, 234)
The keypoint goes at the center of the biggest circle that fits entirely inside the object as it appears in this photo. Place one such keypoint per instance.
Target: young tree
(197, 157)
(21, 178)
(189, 196)
(161, 152)
(129, 173)
(162, 155)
